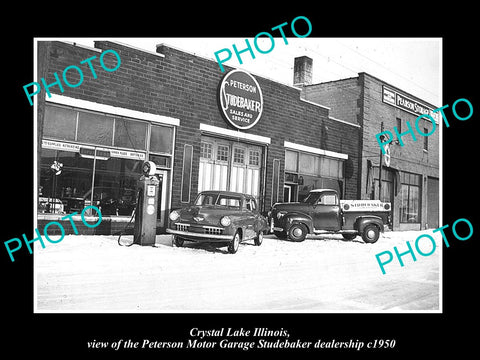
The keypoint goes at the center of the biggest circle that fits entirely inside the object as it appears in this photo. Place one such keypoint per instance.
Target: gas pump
(146, 213)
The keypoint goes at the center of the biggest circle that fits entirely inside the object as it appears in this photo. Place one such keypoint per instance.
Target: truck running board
(318, 232)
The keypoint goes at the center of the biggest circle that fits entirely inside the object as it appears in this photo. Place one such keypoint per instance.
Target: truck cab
(323, 212)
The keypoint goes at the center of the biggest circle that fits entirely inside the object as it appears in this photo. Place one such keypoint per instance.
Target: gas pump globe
(146, 214)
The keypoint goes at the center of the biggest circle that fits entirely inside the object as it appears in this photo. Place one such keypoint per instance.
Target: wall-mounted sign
(386, 156)
(89, 151)
(394, 98)
(240, 99)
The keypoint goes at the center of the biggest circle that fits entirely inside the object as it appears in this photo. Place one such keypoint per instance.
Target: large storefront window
(90, 158)
(114, 183)
(305, 172)
(410, 195)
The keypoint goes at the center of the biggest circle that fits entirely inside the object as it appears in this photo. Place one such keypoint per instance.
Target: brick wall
(411, 157)
(343, 98)
(340, 96)
(359, 100)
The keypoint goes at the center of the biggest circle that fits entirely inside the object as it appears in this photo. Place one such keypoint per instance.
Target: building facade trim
(113, 110)
(313, 150)
(344, 122)
(234, 134)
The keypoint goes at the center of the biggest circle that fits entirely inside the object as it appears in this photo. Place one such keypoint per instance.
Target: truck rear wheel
(297, 232)
(370, 234)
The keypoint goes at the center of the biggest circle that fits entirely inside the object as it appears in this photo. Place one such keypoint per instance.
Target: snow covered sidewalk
(321, 274)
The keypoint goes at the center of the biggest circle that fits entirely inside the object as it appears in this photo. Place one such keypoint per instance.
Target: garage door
(229, 165)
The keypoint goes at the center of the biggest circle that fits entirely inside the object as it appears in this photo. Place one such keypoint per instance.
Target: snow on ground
(321, 274)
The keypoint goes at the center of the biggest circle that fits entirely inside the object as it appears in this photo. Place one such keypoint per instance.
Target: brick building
(411, 181)
(164, 106)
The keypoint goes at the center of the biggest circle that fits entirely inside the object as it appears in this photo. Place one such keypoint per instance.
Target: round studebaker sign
(240, 99)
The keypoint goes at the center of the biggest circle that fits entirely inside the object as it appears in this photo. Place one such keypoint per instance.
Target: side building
(410, 180)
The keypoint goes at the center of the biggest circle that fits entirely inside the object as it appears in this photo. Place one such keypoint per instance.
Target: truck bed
(353, 209)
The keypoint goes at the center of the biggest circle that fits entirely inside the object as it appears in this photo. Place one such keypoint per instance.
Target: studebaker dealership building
(211, 130)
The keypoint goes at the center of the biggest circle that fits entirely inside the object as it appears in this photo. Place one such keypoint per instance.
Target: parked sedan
(219, 217)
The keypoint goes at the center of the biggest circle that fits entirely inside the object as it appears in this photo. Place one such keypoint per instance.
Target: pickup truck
(321, 212)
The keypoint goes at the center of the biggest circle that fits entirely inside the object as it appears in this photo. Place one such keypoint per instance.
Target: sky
(411, 64)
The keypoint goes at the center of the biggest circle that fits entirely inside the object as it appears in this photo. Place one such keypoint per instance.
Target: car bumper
(187, 235)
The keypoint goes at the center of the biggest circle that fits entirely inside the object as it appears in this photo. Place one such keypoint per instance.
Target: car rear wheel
(297, 232)
(370, 234)
(234, 244)
(259, 238)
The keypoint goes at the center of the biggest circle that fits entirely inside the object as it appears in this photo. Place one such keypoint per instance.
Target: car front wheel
(234, 244)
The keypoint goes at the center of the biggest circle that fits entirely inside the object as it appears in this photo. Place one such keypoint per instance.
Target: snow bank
(321, 274)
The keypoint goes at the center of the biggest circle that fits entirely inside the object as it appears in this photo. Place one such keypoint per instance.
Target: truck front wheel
(371, 233)
(297, 232)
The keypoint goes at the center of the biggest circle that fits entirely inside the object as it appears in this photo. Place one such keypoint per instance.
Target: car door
(250, 218)
(326, 212)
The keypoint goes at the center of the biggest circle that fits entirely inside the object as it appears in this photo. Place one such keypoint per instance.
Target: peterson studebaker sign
(240, 99)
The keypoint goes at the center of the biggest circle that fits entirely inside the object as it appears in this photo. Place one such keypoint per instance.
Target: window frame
(409, 181)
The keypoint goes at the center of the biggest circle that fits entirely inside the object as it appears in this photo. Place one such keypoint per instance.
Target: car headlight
(174, 215)
(225, 221)
(280, 214)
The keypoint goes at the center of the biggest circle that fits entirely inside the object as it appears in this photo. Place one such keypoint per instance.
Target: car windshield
(230, 201)
(218, 200)
(206, 199)
(312, 197)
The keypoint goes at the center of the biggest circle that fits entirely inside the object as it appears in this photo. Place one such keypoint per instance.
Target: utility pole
(380, 168)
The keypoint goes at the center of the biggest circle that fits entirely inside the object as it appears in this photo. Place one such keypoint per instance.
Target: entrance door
(162, 198)
(290, 192)
(287, 193)
(432, 203)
